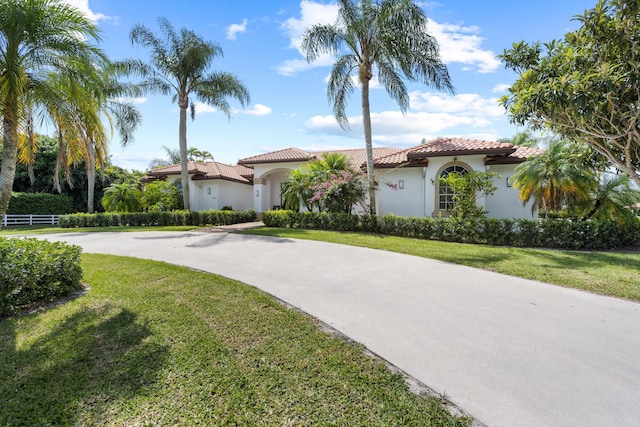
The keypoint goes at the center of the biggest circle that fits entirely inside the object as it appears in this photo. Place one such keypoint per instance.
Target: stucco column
(259, 195)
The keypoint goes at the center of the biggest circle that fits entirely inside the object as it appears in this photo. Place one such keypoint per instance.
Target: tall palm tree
(554, 178)
(36, 37)
(388, 37)
(180, 66)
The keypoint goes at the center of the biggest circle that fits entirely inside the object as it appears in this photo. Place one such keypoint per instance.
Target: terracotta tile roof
(459, 147)
(394, 159)
(208, 170)
(496, 152)
(520, 155)
(358, 156)
(193, 167)
(286, 155)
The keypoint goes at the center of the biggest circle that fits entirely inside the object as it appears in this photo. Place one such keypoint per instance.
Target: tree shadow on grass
(76, 371)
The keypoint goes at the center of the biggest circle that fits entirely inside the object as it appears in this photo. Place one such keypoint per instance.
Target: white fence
(29, 219)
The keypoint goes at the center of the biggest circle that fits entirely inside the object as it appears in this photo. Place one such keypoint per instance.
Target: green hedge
(587, 235)
(40, 204)
(197, 218)
(34, 270)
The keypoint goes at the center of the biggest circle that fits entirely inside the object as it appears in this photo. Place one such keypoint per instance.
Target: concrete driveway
(508, 351)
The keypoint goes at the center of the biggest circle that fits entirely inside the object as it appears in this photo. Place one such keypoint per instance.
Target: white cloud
(234, 29)
(463, 103)
(135, 101)
(432, 115)
(83, 6)
(258, 110)
(458, 43)
(462, 44)
(311, 13)
(201, 107)
(501, 88)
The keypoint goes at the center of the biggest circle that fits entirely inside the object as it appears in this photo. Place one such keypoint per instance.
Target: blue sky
(289, 106)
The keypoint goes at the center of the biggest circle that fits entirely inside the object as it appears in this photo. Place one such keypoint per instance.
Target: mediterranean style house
(408, 179)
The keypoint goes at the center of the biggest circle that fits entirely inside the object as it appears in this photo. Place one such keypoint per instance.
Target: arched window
(445, 194)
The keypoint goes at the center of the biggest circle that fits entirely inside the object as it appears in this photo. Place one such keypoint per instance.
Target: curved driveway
(509, 351)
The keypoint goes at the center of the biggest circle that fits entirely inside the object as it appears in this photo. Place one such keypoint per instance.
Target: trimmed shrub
(561, 234)
(157, 218)
(40, 204)
(33, 271)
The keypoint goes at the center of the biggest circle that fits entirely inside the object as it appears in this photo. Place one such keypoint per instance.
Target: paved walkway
(510, 352)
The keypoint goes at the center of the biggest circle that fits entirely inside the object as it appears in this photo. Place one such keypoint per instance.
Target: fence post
(30, 219)
(52, 219)
(4, 220)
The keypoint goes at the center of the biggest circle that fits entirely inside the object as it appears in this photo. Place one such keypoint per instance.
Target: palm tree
(124, 197)
(173, 158)
(389, 37)
(197, 155)
(37, 36)
(296, 189)
(180, 66)
(82, 134)
(612, 199)
(522, 139)
(554, 178)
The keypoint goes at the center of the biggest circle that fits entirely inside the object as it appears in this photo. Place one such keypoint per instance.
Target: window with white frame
(445, 194)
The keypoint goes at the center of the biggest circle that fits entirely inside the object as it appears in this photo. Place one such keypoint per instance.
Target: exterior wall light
(401, 184)
(258, 193)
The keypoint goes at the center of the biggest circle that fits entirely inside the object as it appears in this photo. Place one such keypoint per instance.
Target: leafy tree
(466, 189)
(37, 37)
(180, 66)
(585, 86)
(44, 169)
(388, 37)
(162, 196)
(339, 191)
(554, 179)
(329, 183)
(125, 197)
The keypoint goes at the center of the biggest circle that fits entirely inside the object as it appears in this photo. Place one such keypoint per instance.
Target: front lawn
(608, 273)
(153, 343)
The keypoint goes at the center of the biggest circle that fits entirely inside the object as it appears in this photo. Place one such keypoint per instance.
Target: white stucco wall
(418, 198)
(505, 202)
(267, 179)
(216, 193)
(407, 201)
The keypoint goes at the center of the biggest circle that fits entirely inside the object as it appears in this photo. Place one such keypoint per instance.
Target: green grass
(153, 343)
(608, 273)
(48, 229)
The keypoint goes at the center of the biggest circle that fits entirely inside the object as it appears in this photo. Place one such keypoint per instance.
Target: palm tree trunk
(9, 158)
(91, 175)
(366, 121)
(184, 165)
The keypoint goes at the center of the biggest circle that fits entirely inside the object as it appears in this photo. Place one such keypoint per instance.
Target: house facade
(212, 185)
(408, 179)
